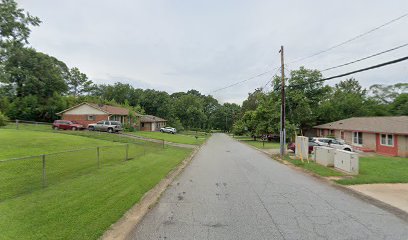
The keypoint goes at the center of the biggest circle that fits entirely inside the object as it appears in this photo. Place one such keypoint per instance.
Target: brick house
(151, 123)
(384, 135)
(87, 113)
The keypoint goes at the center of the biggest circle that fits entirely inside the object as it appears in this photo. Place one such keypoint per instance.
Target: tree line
(35, 86)
(310, 102)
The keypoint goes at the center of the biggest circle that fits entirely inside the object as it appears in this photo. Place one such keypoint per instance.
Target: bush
(3, 120)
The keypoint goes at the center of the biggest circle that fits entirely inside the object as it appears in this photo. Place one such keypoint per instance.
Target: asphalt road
(231, 191)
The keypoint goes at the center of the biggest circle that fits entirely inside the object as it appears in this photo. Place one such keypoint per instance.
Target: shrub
(3, 120)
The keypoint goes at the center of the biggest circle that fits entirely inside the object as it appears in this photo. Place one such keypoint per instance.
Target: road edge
(123, 228)
(376, 202)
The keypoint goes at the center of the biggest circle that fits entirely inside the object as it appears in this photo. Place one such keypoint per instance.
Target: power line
(237, 83)
(364, 58)
(356, 71)
(351, 39)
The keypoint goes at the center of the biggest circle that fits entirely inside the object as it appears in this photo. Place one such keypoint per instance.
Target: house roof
(111, 110)
(395, 124)
(151, 118)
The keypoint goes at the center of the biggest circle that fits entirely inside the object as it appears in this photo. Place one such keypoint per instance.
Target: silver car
(168, 130)
(330, 142)
(106, 126)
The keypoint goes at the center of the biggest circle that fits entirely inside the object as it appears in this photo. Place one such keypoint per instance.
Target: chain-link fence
(23, 175)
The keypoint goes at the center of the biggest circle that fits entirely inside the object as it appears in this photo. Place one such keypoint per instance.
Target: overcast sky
(177, 45)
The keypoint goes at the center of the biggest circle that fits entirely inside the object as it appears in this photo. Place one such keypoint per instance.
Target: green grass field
(21, 143)
(380, 169)
(258, 143)
(80, 200)
(175, 138)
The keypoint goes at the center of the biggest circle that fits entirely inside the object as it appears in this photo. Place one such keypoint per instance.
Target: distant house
(151, 123)
(87, 113)
(384, 135)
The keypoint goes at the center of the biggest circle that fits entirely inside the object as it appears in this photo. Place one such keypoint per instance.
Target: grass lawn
(85, 206)
(176, 138)
(21, 143)
(82, 198)
(314, 167)
(258, 143)
(380, 169)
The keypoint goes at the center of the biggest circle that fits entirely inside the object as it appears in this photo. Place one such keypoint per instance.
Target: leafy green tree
(35, 73)
(78, 82)
(400, 105)
(15, 23)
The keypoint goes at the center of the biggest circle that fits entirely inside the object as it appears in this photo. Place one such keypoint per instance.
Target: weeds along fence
(24, 175)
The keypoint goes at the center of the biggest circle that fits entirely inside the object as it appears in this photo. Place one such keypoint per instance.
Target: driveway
(231, 191)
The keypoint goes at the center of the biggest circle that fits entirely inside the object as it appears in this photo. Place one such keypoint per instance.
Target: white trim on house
(358, 137)
(387, 138)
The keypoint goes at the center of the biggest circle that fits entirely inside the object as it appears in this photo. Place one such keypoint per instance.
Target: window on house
(91, 117)
(142, 124)
(358, 138)
(387, 140)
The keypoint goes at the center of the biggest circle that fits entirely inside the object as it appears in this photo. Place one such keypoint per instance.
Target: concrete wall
(146, 126)
(369, 141)
(402, 146)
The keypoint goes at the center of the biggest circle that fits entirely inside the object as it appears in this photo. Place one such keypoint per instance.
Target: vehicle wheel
(161, 131)
(347, 149)
(91, 129)
(73, 128)
(110, 130)
(172, 132)
(55, 128)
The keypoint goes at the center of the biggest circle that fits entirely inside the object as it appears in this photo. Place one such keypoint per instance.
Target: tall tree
(78, 82)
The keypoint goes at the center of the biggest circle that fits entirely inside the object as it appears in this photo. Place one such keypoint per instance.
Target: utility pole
(283, 130)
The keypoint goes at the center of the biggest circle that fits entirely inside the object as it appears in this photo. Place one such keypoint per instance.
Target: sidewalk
(395, 194)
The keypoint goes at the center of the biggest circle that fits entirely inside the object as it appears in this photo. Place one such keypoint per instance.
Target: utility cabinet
(302, 147)
(346, 161)
(324, 155)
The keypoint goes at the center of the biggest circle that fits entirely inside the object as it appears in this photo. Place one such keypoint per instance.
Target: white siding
(84, 110)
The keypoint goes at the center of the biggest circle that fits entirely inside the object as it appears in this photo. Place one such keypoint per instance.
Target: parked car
(106, 126)
(330, 142)
(292, 146)
(67, 125)
(168, 130)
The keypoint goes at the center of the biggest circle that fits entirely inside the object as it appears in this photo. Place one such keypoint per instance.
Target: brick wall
(83, 119)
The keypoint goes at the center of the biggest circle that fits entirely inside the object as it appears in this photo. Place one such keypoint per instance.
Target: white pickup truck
(168, 130)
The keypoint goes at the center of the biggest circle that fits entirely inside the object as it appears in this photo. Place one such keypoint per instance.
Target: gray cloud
(179, 45)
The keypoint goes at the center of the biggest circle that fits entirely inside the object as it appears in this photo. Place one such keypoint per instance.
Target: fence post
(44, 179)
(263, 144)
(127, 152)
(16, 124)
(97, 157)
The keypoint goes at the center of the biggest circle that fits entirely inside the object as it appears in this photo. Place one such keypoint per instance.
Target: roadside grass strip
(314, 167)
(258, 143)
(380, 169)
(83, 207)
